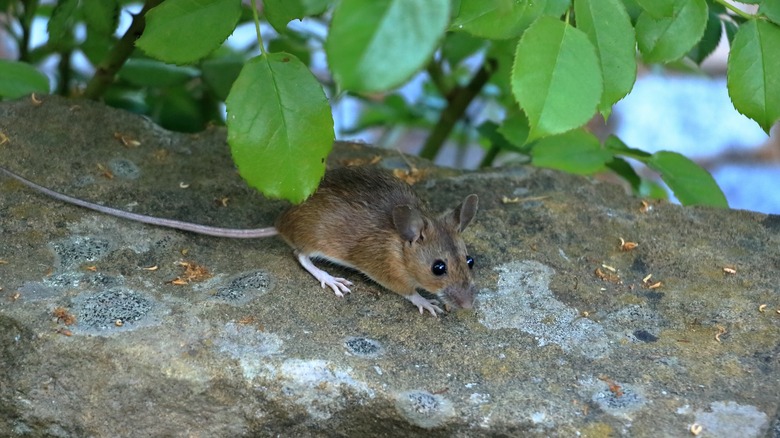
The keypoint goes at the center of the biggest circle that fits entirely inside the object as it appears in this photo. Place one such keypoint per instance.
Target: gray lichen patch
(732, 419)
(618, 399)
(80, 249)
(424, 409)
(523, 301)
(363, 347)
(250, 346)
(112, 309)
(124, 168)
(318, 386)
(244, 287)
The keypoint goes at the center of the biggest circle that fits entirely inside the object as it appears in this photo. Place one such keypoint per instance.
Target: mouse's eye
(439, 268)
(470, 261)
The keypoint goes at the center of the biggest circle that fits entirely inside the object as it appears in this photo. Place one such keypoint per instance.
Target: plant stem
(458, 99)
(735, 10)
(64, 71)
(25, 22)
(257, 28)
(115, 59)
(490, 156)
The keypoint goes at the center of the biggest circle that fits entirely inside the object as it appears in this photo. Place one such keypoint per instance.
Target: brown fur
(349, 221)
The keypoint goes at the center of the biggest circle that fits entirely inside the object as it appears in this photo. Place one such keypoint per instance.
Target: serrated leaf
(577, 152)
(770, 9)
(280, 127)
(280, 12)
(152, 73)
(710, 39)
(753, 75)
(183, 31)
(496, 19)
(658, 8)
(669, 38)
(375, 45)
(101, 16)
(556, 77)
(691, 184)
(609, 29)
(19, 79)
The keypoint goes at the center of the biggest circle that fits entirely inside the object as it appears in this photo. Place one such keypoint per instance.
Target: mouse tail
(252, 233)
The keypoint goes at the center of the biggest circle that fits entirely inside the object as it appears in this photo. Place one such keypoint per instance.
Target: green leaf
(658, 8)
(710, 39)
(280, 127)
(618, 147)
(770, 9)
(220, 73)
(183, 31)
(281, 12)
(60, 26)
(669, 38)
(652, 190)
(515, 127)
(101, 16)
(151, 73)
(575, 152)
(691, 184)
(178, 110)
(375, 45)
(458, 46)
(96, 46)
(20, 79)
(556, 77)
(497, 19)
(753, 74)
(625, 170)
(609, 29)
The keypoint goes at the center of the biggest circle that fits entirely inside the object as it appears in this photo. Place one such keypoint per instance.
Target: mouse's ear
(408, 222)
(463, 214)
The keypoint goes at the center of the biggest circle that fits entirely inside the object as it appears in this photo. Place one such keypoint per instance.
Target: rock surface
(571, 336)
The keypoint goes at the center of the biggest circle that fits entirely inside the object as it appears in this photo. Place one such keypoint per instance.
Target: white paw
(425, 304)
(338, 284)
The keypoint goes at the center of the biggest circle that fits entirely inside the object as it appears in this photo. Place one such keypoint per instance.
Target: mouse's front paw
(425, 304)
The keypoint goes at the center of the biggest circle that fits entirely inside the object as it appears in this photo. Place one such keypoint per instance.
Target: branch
(458, 100)
(104, 75)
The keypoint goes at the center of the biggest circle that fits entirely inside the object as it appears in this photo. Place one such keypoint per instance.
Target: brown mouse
(362, 218)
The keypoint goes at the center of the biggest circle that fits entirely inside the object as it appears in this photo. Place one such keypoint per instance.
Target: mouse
(363, 218)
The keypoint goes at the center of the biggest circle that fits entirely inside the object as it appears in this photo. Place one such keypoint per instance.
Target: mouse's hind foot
(338, 284)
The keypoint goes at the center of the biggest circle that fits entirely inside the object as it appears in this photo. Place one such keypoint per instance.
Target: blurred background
(682, 109)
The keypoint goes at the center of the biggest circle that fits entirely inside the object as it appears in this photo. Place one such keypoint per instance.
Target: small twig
(115, 59)
(458, 100)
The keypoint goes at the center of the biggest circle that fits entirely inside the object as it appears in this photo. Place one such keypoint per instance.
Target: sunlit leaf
(691, 184)
(375, 45)
(556, 77)
(669, 38)
(280, 127)
(754, 72)
(609, 29)
(183, 31)
(19, 79)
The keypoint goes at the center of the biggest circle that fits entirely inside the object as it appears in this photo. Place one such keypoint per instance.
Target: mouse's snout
(459, 296)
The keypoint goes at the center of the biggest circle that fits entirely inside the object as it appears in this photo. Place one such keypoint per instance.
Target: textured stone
(257, 348)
